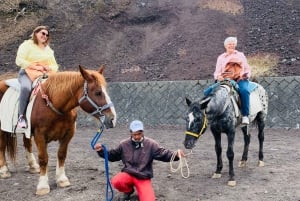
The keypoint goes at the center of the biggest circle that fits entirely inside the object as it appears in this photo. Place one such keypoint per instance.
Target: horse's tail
(9, 143)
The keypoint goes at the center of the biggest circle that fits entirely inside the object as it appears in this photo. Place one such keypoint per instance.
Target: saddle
(233, 89)
(9, 106)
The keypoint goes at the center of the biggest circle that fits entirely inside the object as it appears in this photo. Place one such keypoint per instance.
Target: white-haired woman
(35, 58)
(225, 59)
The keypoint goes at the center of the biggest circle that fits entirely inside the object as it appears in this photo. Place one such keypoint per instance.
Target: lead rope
(181, 165)
(93, 143)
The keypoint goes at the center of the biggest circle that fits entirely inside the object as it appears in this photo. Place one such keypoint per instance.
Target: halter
(98, 109)
(204, 126)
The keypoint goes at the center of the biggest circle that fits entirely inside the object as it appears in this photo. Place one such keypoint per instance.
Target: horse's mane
(216, 100)
(61, 82)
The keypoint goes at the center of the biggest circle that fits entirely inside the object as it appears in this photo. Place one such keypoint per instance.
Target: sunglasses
(45, 34)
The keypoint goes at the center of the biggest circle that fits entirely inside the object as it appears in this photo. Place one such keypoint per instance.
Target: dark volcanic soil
(143, 40)
(277, 181)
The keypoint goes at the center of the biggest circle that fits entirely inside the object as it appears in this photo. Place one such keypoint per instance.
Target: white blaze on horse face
(107, 98)
(191, 118)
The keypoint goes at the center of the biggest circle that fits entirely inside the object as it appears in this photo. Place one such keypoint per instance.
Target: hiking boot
(22, 122)
(245, 120)
(126, 196)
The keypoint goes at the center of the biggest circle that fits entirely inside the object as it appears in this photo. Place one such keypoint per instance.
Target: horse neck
(219, 102)
(63, 90)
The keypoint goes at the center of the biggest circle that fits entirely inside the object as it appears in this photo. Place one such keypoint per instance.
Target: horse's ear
(204, 102)
(81, 68)
(85, 74)
(101, 69)
(188, 101)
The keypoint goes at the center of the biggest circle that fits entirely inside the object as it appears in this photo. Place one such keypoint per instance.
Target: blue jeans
(209, 89)
(25, 91)
(245, 96)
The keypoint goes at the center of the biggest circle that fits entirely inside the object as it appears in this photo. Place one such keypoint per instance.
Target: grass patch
(233, 7)
(263, 64)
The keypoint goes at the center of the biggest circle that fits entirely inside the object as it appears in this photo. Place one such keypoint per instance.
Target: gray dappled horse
(220, 111)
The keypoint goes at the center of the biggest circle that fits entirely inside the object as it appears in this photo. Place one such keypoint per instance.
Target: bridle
(98, 109)
(204, 126)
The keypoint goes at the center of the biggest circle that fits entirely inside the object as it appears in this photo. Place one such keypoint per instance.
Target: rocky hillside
(142, 40)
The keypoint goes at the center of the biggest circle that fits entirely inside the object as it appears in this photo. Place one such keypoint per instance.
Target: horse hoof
(34, 170)
(231, 183)
(216, 176)
(5, 175)
(63, 184)
(4, 172)
(260, 163)
(242, 163)
(42, 191)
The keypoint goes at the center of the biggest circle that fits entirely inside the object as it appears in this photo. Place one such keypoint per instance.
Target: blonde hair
(38, 29)
(230, 39)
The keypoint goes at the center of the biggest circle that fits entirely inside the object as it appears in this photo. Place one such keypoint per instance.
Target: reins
(93, 143)
(45, 96)
(84, 97)
(182, 163)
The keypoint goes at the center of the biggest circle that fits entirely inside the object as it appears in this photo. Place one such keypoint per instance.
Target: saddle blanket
(255, 105)
(252, 86)
(9, 112)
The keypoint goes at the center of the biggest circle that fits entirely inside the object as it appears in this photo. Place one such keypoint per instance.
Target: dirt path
(279, 180)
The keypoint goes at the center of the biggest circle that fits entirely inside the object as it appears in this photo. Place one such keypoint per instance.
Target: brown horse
(53, 119)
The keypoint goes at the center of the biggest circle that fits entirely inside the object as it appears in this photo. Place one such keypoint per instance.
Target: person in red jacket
(137, 154)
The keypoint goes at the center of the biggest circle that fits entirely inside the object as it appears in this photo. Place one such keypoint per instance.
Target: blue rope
(108, 184)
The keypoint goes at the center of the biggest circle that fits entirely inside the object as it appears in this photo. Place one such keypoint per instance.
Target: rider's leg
(245, 98)
(209, 89)
(25, 90)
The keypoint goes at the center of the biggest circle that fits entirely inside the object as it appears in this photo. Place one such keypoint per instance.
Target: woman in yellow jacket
(35, 58)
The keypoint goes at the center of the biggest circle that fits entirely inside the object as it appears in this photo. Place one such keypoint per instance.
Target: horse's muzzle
(189, 144)
(109, 122)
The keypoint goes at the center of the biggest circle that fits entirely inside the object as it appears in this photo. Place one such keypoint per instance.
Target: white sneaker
(22, 122)
(245, 120)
